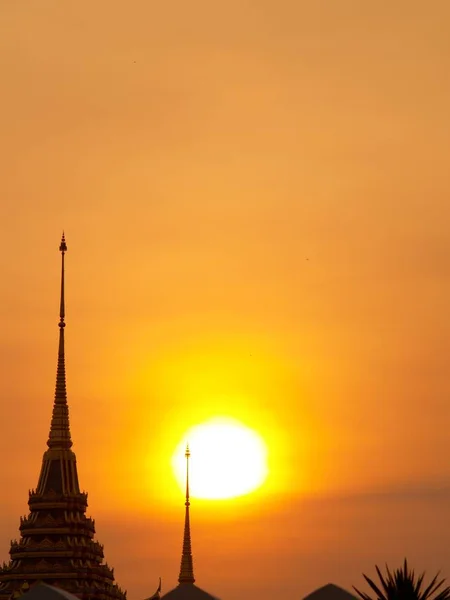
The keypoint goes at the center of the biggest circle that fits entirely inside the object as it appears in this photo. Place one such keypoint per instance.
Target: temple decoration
(157, 594)
(186, 588)
(57, 545)
(187, 567)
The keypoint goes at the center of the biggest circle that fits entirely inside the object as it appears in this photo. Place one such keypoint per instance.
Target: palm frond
(403, 584)
(418, 586)
(384, 582)
(376, 589)
(362, 595)
(443, 594)
(432, 587)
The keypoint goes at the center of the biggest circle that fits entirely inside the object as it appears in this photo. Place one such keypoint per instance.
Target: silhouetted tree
(402, 584)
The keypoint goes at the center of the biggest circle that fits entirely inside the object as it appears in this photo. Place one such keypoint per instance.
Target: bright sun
(227, 459)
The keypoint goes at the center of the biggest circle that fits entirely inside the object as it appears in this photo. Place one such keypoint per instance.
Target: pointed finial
(157, 594)
(187, 454)
(62, 246)
(63, 250)
(187, 567)
(59, 428)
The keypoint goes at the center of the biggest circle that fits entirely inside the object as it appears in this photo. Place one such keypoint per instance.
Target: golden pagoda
(186, 588)
(57, 545)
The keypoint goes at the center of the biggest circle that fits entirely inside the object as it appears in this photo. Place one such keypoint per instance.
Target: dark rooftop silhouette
(188, 591)
(330, 591)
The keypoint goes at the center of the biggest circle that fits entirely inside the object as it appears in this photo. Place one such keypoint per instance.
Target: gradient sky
(255, 196)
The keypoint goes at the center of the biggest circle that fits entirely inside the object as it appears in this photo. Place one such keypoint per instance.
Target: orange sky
(256, 202)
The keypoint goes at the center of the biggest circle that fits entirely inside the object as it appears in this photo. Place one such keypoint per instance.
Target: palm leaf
(363, 595)
(376, 589)
(444, 594)
(402, 584)
(432, 587)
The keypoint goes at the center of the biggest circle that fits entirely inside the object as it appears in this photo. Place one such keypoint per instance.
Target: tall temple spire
(59, 436)
(187, 568)
(57, 542)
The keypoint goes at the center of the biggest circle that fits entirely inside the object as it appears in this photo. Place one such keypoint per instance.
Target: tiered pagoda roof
(57, 544)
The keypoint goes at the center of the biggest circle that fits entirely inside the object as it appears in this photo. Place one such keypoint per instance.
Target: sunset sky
(256, 200)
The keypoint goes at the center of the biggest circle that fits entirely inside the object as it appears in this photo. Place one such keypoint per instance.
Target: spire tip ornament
(63, 246)
(187, 455)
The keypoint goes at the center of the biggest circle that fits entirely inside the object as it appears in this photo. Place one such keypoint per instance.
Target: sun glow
(227, 459)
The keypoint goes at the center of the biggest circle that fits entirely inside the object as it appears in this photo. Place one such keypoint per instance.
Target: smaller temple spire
(59, 429)
(187, 568)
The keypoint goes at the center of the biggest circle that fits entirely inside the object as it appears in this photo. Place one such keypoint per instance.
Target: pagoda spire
(59, 436)
(57, 544)
(187, 568)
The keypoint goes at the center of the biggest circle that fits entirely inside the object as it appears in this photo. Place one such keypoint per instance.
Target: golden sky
(255, 196)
